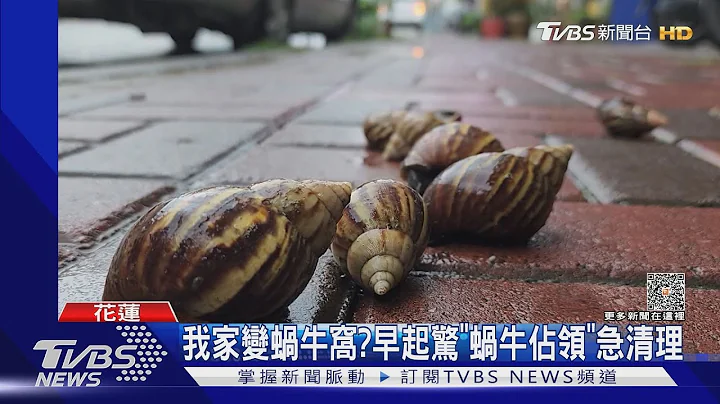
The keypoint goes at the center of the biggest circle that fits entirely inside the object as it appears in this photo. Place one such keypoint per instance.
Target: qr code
(666, 292)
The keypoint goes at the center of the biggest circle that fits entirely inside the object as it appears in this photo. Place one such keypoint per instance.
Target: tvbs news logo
(66, 364)
(552, 32)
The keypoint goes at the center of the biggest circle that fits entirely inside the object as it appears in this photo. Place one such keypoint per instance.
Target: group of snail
(241, 254)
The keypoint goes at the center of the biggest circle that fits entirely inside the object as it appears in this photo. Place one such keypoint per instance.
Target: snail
(624, 118)
(382, 233)
(228, 254)
(412, 127)
(551, 160)
(441, 147)
(491, 197)
(715, 112)
(378, 128)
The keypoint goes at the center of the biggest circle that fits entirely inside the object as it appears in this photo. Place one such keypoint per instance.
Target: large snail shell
(379, 127)
(381, 234)
(551, 160)
(489, 197)
(440, 148)
(624, 118)
(228, 254)
(412, 127)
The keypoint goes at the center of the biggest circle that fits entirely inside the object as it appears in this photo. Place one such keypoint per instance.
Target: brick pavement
(626, 207)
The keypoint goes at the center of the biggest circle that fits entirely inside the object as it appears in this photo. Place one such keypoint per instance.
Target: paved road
(625, 209)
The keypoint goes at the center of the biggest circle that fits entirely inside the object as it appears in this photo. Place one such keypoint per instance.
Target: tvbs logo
(675, 33)
(60, 362)
(552, 32)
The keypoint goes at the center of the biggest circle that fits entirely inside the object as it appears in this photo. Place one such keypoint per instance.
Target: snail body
(491, 197)
(625, 118)
(411, 128)
(552, 161)
(228, 254)
(378, 128)
(382, 233)
(440, 148)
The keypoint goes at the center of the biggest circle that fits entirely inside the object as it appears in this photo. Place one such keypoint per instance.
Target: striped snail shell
(551, 160)
(441, 147)
(378, 128)
(490, 197)
(412, 127)
(382, 233)
(228, 254)
(624, 118)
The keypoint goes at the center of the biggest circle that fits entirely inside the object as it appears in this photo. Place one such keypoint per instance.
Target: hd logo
(67, 365)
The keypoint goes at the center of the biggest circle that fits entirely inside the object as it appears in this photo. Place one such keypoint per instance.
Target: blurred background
(93, 31)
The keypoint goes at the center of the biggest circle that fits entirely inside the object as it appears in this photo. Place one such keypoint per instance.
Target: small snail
(378, 128)
(624, 118)
(382, 233)
(441, 147)
(228, 254)
(490, 197)
(551, 160)
(715, 112)
(412, 127)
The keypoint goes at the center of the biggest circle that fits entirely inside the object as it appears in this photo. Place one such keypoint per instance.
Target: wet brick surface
(320, 302)
(87, 206)
(65, 147)
(590, 128)
(589, 258)
(599, 243)
(318, 136)
(171, 149)
(304, 163)
(643, 172)
(693, 123)
(437, 300)
(713, 145)
(347, 112)
(88, 130)
(146, 110)
(472, 109)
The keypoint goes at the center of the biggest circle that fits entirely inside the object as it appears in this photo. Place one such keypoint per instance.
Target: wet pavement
(128, 140)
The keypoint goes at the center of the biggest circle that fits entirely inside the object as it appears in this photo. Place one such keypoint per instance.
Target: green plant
(469, 21)
(541, 10)
(502, 8)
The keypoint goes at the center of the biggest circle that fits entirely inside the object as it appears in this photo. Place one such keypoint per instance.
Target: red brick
(496, 110)
(569, 192)
(605, 243)
(713, 145)
(265, 162)
(416, 95)
(454, 83)
(422, 299)
(88, 206)
(592, 128)
(510, 140)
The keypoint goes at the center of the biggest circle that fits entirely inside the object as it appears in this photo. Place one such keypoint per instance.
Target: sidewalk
(626, 208)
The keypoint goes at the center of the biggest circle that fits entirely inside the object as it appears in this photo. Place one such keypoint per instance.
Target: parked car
(242, 20)
(333, 18)
(402, 13)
